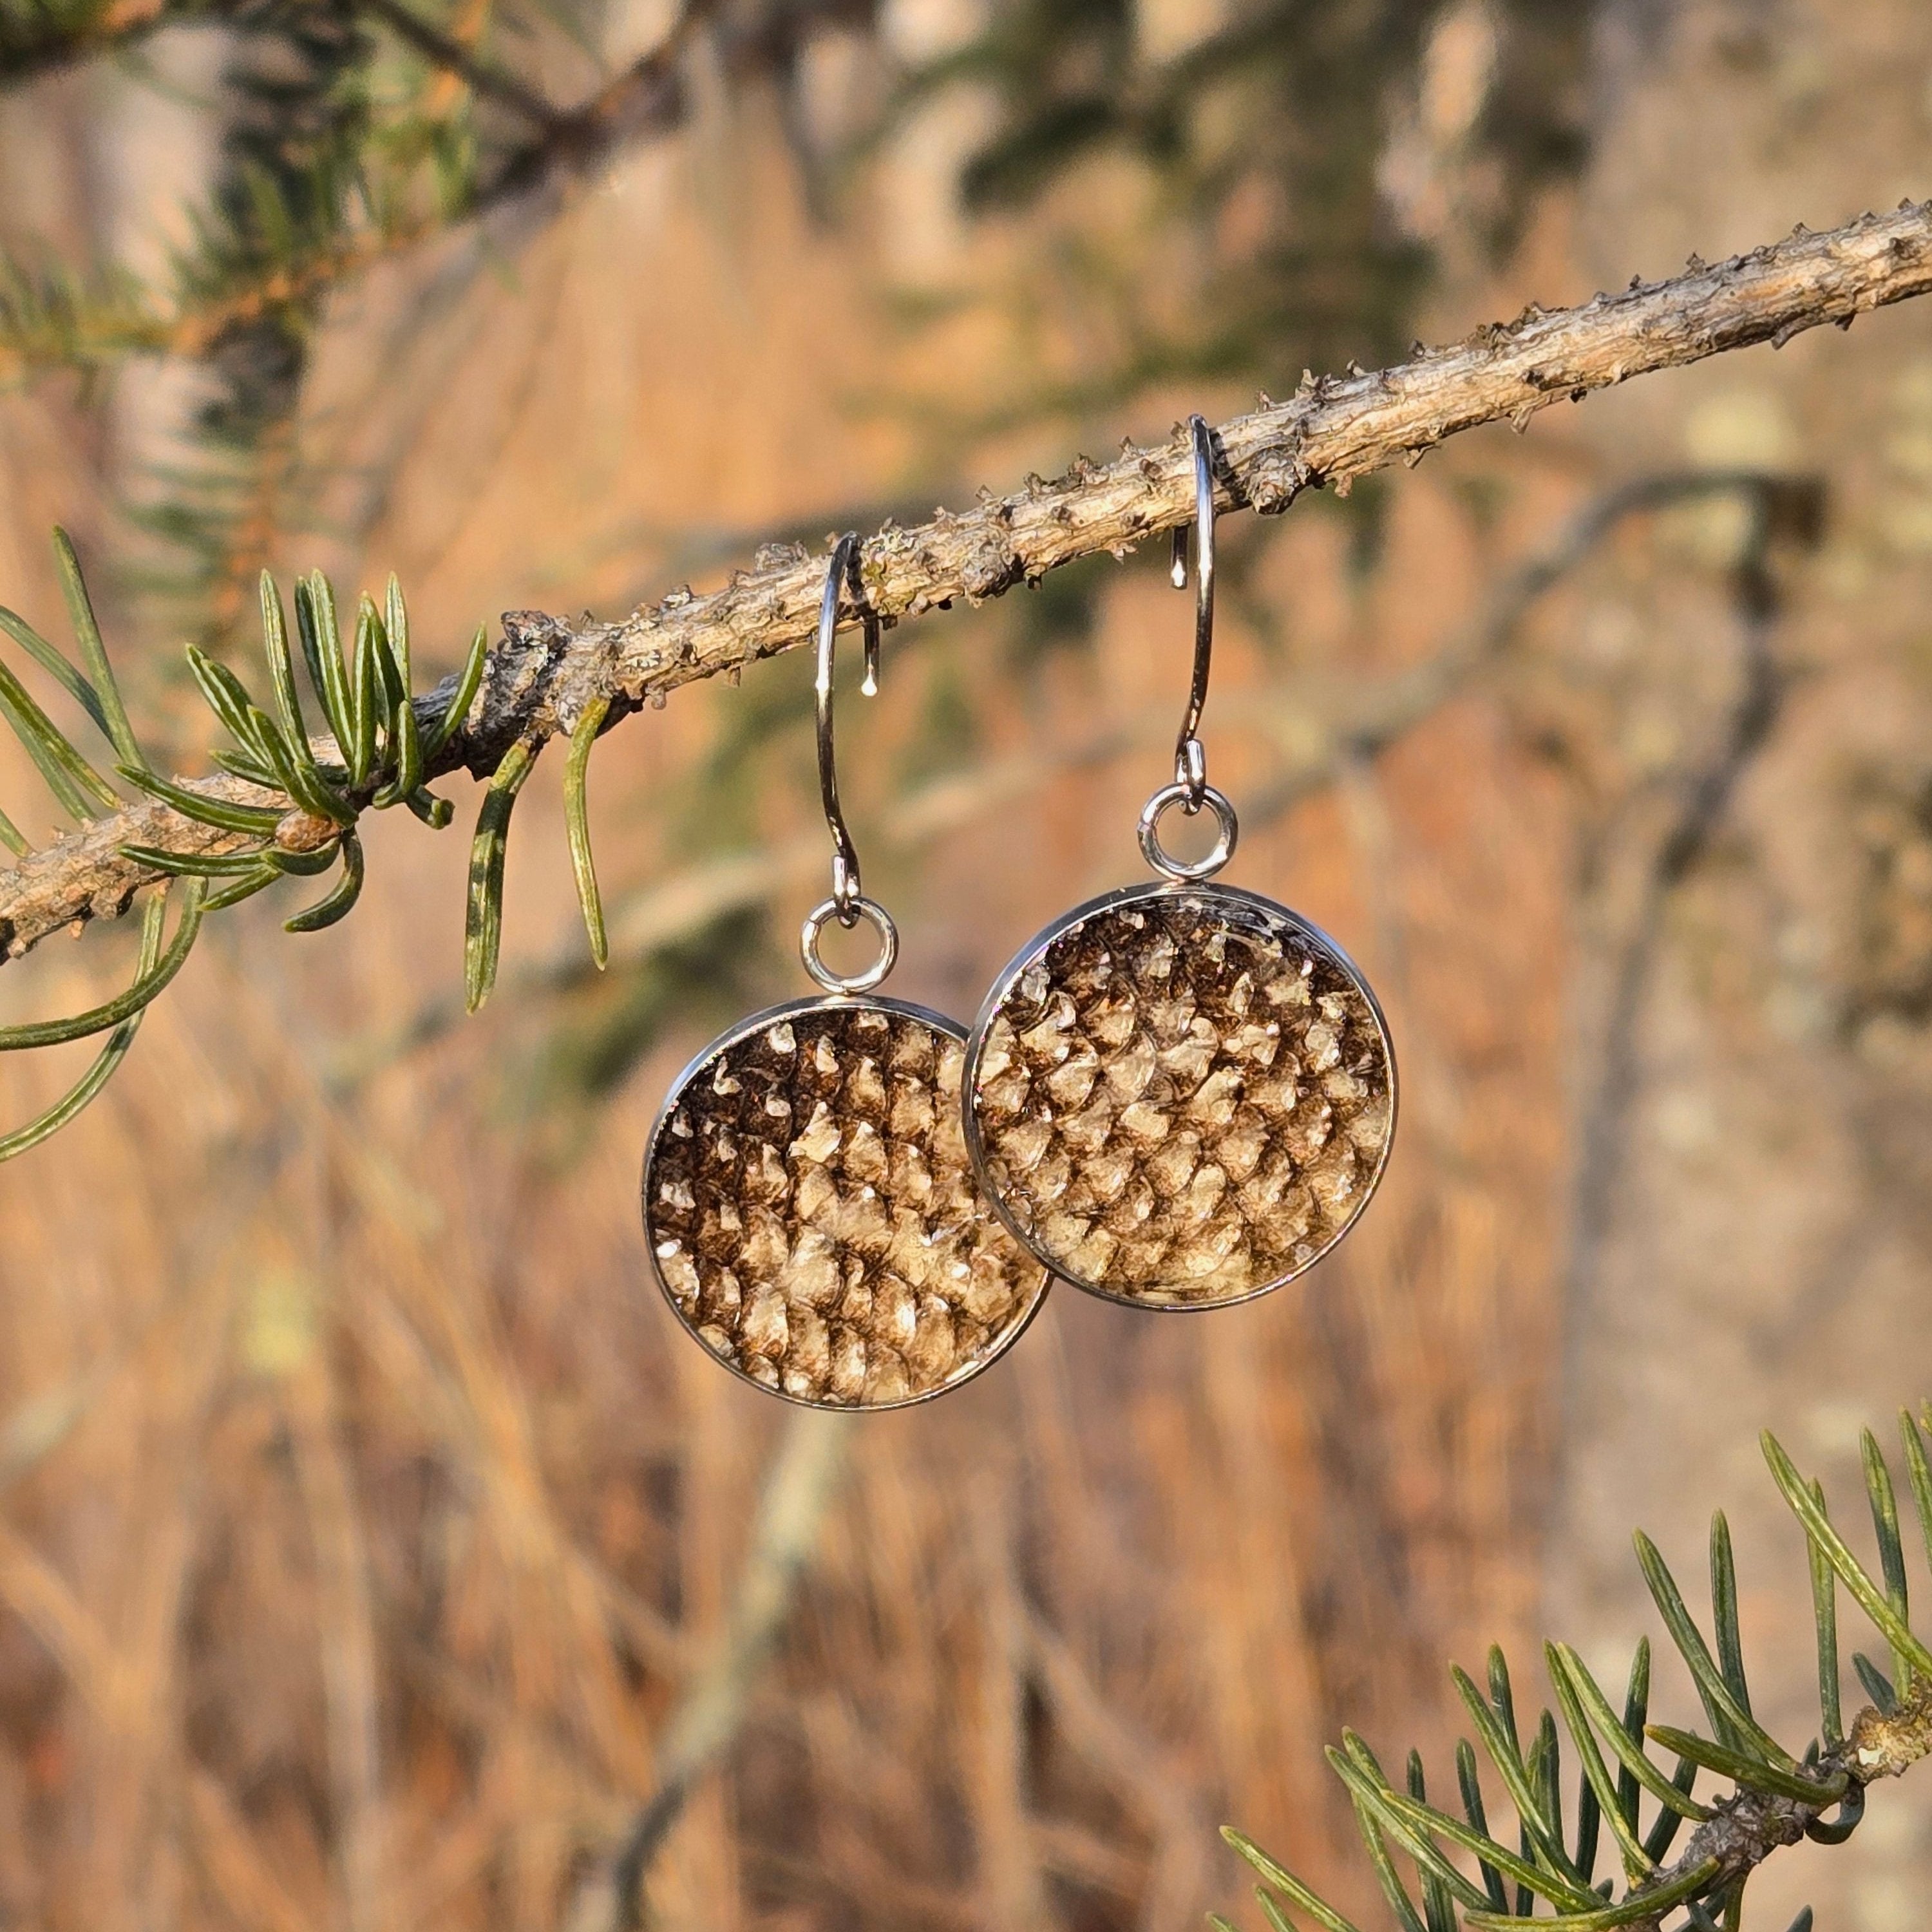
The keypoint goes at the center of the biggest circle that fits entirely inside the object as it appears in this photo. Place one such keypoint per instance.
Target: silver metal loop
(854, 982)
(1190, 760)
(847, 895)
(1157, 855)
(1190, 771)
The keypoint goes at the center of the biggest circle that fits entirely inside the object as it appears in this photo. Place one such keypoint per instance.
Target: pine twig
(1776, 1798)
(544, 674)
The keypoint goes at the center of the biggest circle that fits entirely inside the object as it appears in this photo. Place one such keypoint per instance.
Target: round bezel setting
(813, 1218)
(1179, 1095)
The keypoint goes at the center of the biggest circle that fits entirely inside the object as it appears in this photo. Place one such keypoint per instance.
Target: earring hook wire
(1190, 790)
(847, 896)
(1190, 756)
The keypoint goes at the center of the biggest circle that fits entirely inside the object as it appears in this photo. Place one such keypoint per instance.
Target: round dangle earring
(812, 1212)
(1181, 1095)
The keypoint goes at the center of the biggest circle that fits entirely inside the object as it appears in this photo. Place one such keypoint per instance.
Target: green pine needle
(191, 865)
(50, 660)
(1851, 1573)
(1641, 1906)
(1750, 1772)
(243, 765)
(112, 714)
(1891, 1547)
(246, 887)
(1637, 1711)
(225, 816)
(396, 623)
(79, 789)
(147, 984)
(1724, 1612)
(365, 696)
(107, 1062)
(339, 903)
(1596, 1773)
(1836, 1830)
(1877, 1685)
(1500, 1745)
(1629, 1750)
(401, 757)
(1469, 1779)
(1286, 1883)
(1920, 1472)
(435, 810)
(322, 651)
(576, 804)
(467, 685)
(281, 668)
(1721, 1705)
(1824, 1614)
(1410, 1823)
(483, 933)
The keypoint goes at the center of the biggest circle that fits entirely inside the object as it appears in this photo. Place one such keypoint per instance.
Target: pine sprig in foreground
(1439, 1867)
(295, 804)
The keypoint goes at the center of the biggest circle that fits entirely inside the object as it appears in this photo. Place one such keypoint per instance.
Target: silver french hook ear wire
(847, 891)
(1190, 790)
(1190, 756)
(848, 903)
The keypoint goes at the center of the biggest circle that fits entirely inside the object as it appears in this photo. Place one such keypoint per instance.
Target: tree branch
(544, 673)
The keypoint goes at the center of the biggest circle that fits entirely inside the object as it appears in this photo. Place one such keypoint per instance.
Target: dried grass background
(367, 1524)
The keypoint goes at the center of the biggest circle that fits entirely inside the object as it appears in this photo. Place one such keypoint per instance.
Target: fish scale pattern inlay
(1184, 1098)
(813, 1215)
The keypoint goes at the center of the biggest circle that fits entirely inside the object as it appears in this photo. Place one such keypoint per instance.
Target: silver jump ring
(882, 924)
(1157, 855)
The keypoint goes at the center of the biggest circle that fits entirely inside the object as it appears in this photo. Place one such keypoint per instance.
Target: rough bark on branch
(544, 673)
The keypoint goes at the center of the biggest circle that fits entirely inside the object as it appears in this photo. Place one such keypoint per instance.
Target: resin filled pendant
(813, 1217)
(812, 1212)
(1181, 1096)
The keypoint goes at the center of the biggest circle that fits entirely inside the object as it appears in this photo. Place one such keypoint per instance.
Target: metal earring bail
(812, 1213)
(1180, 1095)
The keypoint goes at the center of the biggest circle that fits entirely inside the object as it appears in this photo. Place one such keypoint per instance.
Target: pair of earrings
(1179, 1095)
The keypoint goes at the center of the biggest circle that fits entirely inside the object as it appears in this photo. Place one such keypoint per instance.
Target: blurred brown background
(367, 1523)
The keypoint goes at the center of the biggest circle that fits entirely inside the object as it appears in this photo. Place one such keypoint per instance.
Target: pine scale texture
(1184, 1099)
(813, 1218)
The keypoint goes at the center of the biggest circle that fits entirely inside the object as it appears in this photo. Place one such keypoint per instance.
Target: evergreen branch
(290, 819)
(541, 678)
(1776, 1801)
